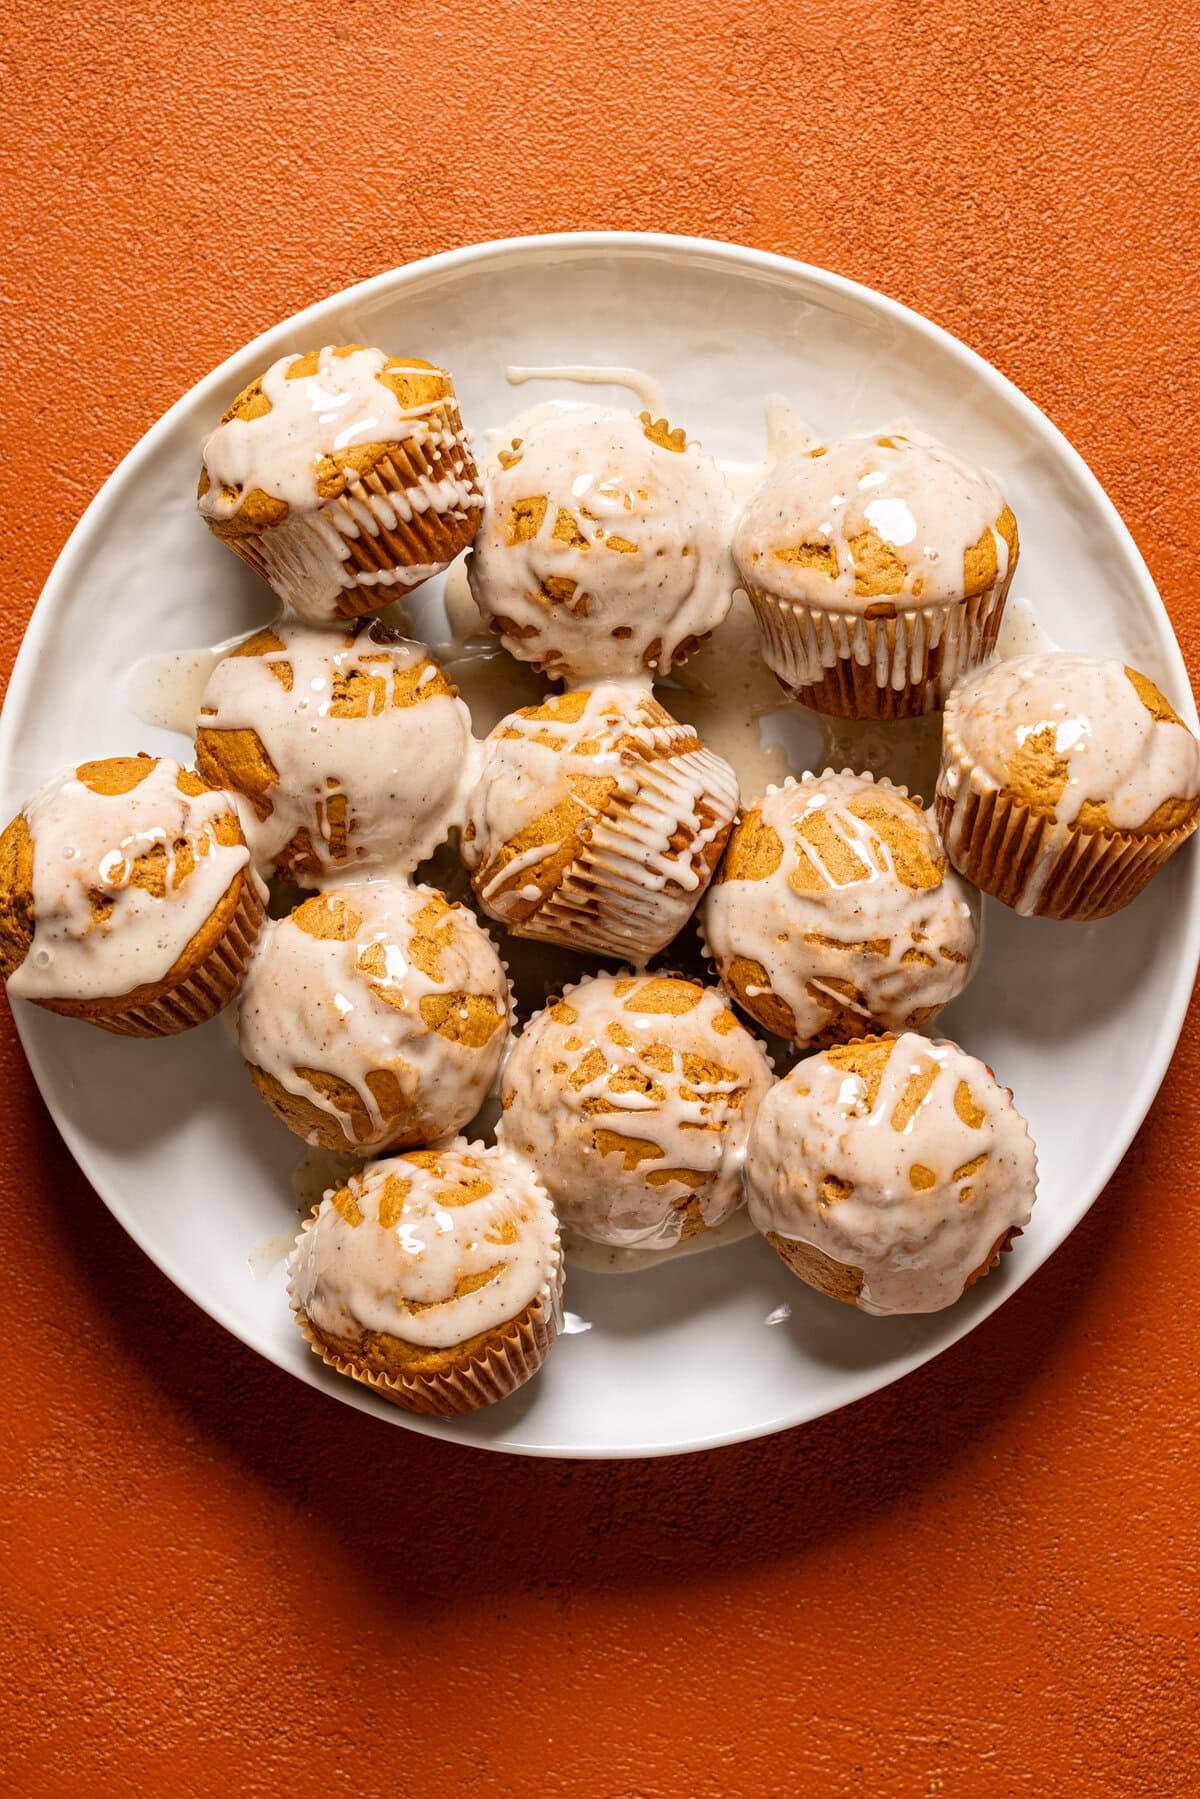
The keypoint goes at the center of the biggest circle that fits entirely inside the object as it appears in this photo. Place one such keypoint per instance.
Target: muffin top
(606, 767)
(902, 1159)
(109, 873)
(352, 748)
(633, 1096)
(312, 425)
(1083, 738)
(603, 548)
(835, 912)
(876, 525)
(430, 1250)
(375, 1015)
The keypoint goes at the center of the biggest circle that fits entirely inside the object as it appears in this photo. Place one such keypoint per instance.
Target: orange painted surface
(982, 1582)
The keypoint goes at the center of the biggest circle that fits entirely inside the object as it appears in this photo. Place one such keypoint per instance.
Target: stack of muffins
(640, 1106)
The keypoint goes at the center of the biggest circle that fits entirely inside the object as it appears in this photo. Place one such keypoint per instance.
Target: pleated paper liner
(475, 1375)
(206, 991)
(605, 902)
(387, 532)
(879, 668)
(1032, 861)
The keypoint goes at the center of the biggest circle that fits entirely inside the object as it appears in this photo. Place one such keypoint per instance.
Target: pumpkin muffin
(596, 822)
(343, 477)
(352, 749)
(374, 1017)
(434, 1278)
(878, 568)
(835, 913)
(604, 545)
(1066, 783)
(632, 1096)
(127, 897)
(890, 1173)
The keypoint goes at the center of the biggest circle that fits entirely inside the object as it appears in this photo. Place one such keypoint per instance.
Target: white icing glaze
(401, 1273)
(648, 884)
(311, 417)
(920, 498)
(919, 1212)
(86, 846)
(1113, 750)
(617, 553)
(367, 1005)
(613, 1098)
(402, 765)
(869, 944)
(594, 374)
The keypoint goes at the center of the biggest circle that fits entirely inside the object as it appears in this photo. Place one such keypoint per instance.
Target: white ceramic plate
(1079, 1020)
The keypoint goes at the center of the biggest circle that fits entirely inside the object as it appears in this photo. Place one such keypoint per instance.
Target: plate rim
(618, 243)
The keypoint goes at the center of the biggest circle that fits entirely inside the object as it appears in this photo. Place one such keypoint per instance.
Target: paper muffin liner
(880, 668)
(605, 903)
(393, 527)
(1033, 862)
(503, 1361)
(207, 990)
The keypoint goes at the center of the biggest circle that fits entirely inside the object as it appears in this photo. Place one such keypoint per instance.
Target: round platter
(1080, 1020)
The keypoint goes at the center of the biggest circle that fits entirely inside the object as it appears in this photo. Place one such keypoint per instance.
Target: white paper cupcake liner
(883, 668)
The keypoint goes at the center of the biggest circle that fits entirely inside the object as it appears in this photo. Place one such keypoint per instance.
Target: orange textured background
(982, 1582)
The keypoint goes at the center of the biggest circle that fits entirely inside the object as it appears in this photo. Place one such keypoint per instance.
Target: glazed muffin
(1066, 782)
(374, 1017)
(604, 545)
(352, 749)
(890, 1173)
(127, 897)
(835, 913)
(434, 1278)
(878, 568)
(344, 478)
(596, 822)
(633, 1096)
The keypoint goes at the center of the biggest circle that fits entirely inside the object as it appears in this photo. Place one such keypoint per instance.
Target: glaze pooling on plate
(374, 1017)
(352, 750)
(633, 1097)
(1084, 737)
(433, 1248)
(901, 1161)
(604, 547)
(125, 874)
(835, 914)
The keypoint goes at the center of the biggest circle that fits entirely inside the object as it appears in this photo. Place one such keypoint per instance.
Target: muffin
(351, 749)
(374, 1017)
(343, 477)
(835, 914)
(127, 897)
(604, 545)
(890, 1173)
(878, 568)
(1066, 782)
(597, 821)
(434, 1278)
(633, 1096)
